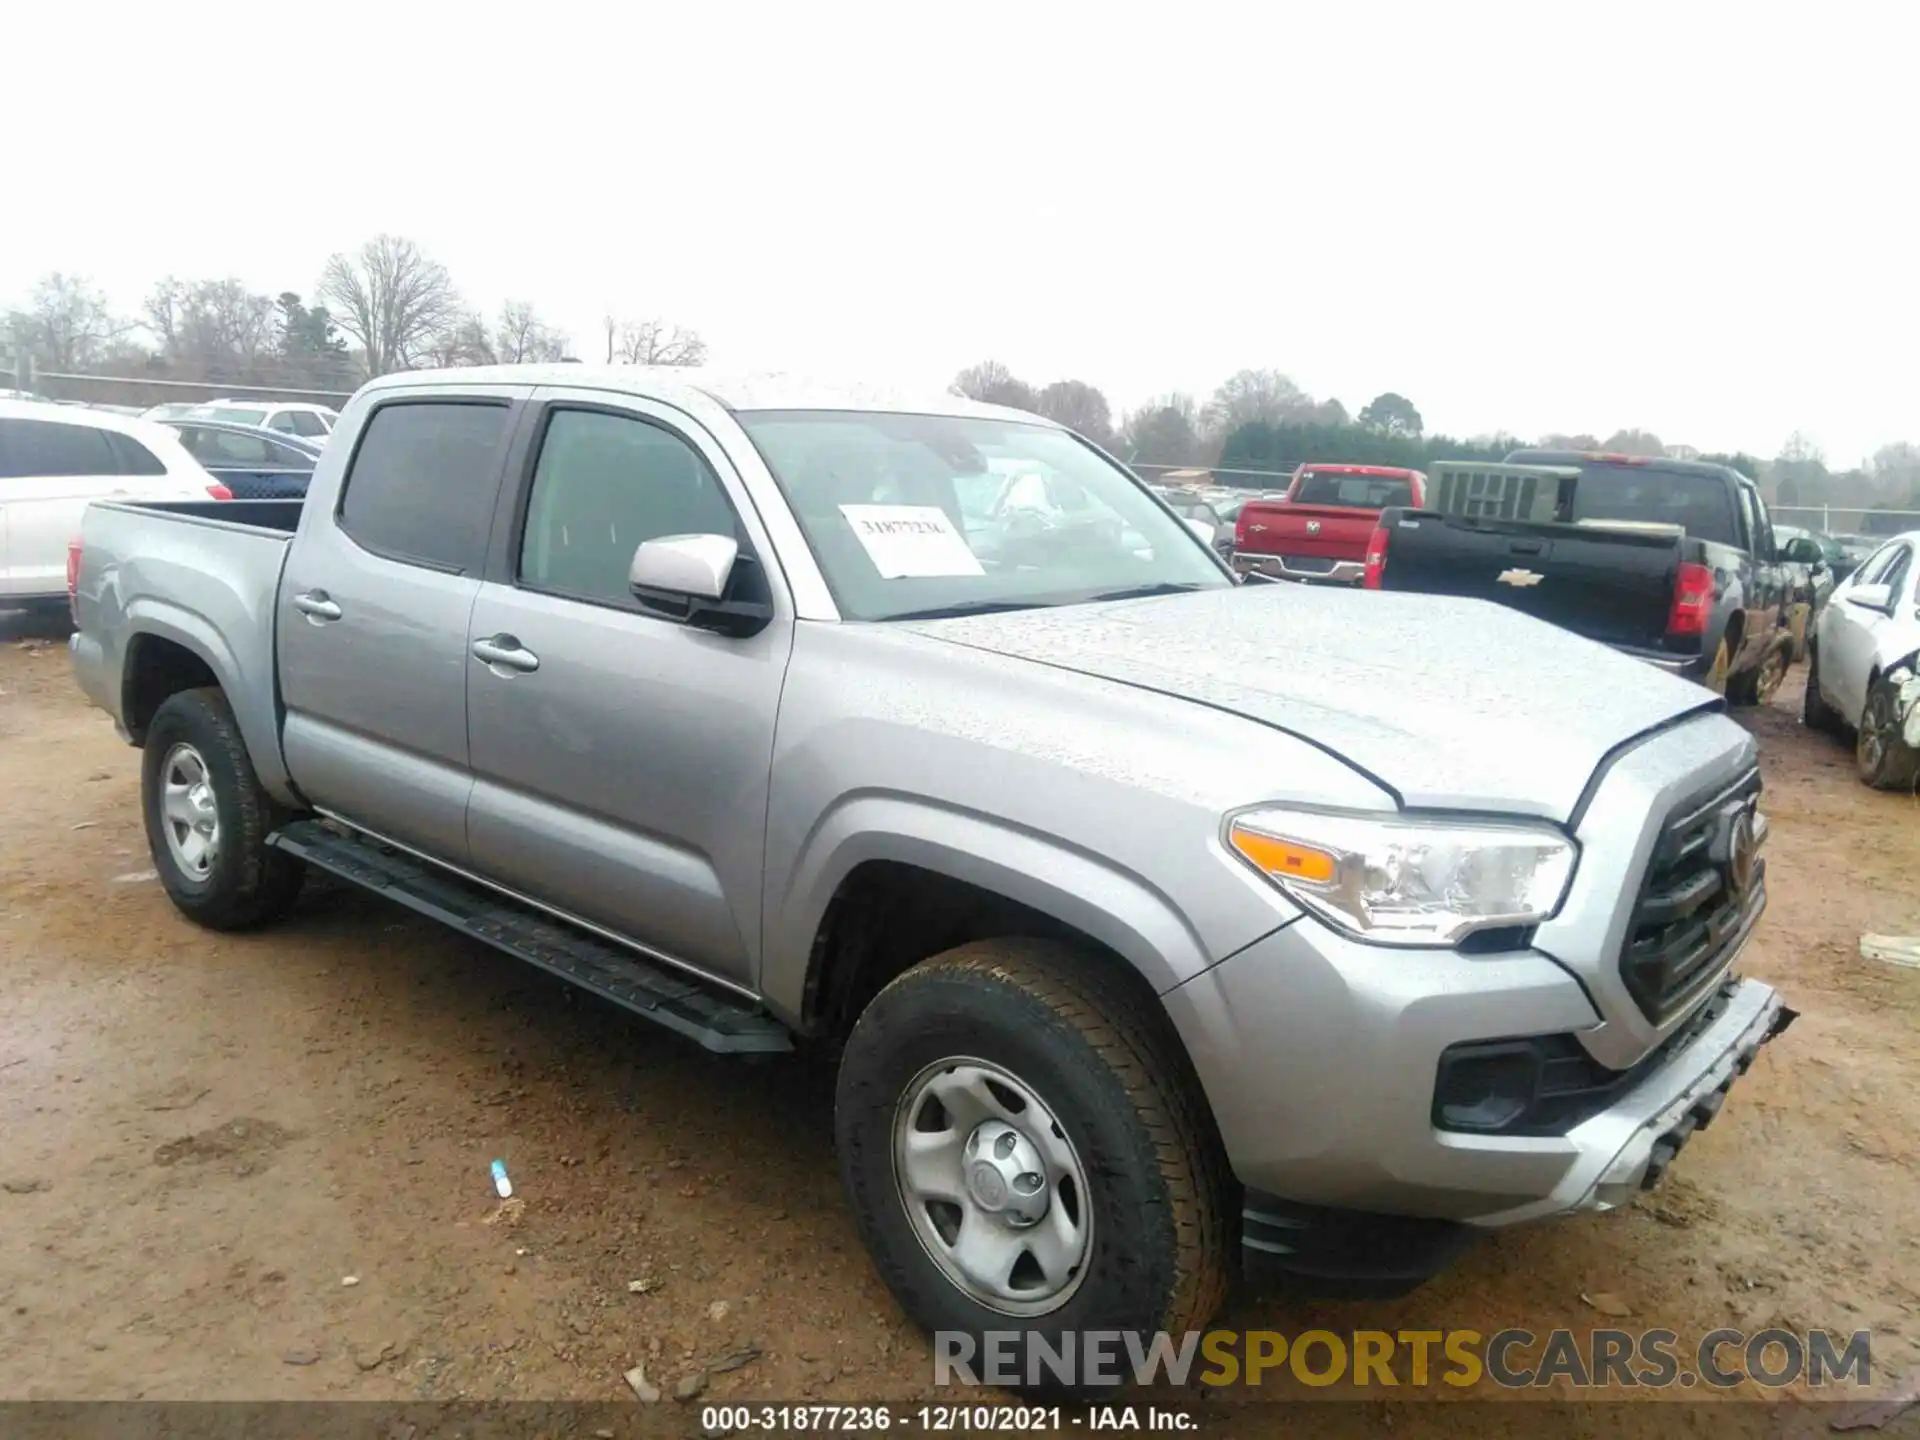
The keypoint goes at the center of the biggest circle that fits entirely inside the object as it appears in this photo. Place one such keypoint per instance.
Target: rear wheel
(208, 817)
(1884, 759)
(1815, 712)
(1025, 1149)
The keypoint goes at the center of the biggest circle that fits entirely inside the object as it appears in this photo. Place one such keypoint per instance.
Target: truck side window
(602, 485)
(422, 482)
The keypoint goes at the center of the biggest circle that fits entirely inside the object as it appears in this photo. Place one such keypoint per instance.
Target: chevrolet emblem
(1521, 578)
(1313, 527)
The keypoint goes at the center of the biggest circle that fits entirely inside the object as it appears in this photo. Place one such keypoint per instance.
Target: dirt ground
(256, 1167)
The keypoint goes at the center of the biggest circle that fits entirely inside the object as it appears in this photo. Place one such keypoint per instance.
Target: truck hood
(1448, 703)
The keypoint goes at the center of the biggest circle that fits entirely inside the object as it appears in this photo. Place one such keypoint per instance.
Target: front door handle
(315, 605)
(503, 654)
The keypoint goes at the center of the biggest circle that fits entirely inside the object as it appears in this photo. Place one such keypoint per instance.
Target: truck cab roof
(735, 392)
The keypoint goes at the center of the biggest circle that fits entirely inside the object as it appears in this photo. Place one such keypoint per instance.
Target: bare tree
(67, 325)
(992, 383)
(391, 298)
(1080, 407)
(1255, 395)
(1633, 442)
(464, 341)
(652, 342)
(521, 337)
(217, 328)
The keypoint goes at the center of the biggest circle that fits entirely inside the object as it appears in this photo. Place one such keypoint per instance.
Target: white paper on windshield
(908, 541)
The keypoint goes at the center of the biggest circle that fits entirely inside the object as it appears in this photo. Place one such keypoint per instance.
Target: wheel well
(887, 916)
(157, 669)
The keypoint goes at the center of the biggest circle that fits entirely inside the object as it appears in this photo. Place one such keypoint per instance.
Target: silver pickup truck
(1160, 923)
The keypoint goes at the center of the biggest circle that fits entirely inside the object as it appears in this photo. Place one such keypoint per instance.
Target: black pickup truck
(1672, 561)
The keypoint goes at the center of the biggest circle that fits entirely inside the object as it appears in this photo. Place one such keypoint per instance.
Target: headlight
(1394, 881)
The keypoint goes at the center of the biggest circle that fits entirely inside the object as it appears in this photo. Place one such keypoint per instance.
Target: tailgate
(1615, 586)
(1332, 531)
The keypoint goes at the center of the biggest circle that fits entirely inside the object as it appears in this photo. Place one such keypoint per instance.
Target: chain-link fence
(136, 392)
(1838, 520)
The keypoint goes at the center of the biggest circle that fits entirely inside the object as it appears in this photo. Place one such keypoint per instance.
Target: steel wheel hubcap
(992, 1187)
(188, 813)
(1771, 674)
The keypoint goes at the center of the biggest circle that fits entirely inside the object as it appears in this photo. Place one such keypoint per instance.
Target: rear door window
(423, 481)
(49, 449)
(134, 458)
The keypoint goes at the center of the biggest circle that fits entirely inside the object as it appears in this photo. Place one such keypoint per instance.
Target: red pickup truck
(1319, 532)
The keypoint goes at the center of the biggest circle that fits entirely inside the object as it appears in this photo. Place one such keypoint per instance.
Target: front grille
(1691, 913)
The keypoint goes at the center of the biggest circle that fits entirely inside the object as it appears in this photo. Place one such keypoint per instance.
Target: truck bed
(1613, 584)
(200, 575)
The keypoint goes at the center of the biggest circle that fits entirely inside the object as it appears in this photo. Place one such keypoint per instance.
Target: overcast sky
(1696, 218)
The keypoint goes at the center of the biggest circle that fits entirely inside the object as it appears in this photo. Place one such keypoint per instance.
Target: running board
(711, 1018)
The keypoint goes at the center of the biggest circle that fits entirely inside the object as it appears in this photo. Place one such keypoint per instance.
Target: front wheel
(208, 817)
(1815, 712)
(1881, 752)
(1026, 1150)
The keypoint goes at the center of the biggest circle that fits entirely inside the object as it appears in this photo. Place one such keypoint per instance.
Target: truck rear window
(1362, 492)
(1701, 504)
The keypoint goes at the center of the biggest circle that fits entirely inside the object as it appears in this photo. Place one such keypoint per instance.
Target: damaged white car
(1864, 668)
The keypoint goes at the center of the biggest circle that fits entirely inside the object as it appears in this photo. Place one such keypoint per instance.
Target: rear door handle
(1526, 547)
(315, 605)
(503, 654)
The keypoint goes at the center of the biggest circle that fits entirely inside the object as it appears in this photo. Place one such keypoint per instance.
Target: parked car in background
(1866, 653)
(1856, 548)
(1810, 580)
(254, 463)
(1671, 561)
(1155, 924)
(55, 460)
(172, 410)
(311, 422)
(1319, 532)
(1200, 516)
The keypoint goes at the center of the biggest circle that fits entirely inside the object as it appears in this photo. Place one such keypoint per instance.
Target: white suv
(57, 459)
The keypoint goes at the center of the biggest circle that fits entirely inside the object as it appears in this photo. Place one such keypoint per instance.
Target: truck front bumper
(1320, 1057)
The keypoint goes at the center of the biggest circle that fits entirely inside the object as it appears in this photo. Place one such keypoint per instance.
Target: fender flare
(1113, 907)
(259, 723)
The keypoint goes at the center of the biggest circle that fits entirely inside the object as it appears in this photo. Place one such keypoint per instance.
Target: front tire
(1881, 754)
(1025, 1148)
(1815, 712)
(208, 817)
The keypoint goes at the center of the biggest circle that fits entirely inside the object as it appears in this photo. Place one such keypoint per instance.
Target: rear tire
(1122, 1156)
(1759, 685)
(1815, 712)
(1882, 755)
(208, 818)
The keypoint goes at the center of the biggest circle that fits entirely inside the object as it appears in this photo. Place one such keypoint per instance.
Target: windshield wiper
(968, 607)
(1142, 592)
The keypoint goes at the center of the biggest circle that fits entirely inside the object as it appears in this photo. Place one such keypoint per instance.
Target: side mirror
(687, 577)
(1872, 597)
(1802, 551)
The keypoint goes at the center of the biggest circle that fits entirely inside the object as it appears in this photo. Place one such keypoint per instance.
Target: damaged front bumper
(1629, 1147)
(1906, 705)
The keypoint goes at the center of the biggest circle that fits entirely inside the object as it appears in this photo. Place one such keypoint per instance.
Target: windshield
(1362, 492)
(1702, 504)
(235, 417)
(919, 515)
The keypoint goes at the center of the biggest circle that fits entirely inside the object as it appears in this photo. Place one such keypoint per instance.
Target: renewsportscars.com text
(1509, 1359)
